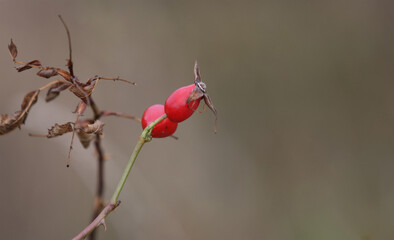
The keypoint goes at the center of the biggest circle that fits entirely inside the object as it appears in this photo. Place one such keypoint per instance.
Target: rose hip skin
(176, 107)
(164, 128)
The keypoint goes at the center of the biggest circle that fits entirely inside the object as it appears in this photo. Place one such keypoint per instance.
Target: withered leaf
(82, 90)
(58, 130)
(47, 72)
(55, 90)
(85, 138)
(96, 127)
(12, 49)
(28, 65)
(9, 123)
(64, 74)
(29, 100)
(87, 131)
(80, 108)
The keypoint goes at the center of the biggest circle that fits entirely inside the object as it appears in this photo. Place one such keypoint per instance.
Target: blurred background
(305, 139)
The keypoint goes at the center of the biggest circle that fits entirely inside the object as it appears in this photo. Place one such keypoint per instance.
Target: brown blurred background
(304, 91)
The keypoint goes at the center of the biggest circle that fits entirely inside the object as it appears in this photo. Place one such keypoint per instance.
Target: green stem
(145, 137)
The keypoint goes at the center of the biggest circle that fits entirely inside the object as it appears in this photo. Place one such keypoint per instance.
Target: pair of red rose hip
(179, 106)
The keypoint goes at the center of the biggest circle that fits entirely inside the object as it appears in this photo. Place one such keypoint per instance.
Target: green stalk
(145, 137)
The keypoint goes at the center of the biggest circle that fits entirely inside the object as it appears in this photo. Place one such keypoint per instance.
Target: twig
(50, 84)
(117, 79)
(70, 62)
(99, 220)
(119, 114)
(72, 142)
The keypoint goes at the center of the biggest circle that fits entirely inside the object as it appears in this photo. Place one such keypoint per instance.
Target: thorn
(102, 222)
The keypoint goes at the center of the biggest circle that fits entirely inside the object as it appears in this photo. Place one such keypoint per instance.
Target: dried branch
(98, 202)
(117, 79)
(85, 129)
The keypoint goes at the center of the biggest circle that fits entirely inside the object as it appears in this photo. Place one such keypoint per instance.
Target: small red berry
(164, 128)
(176, 104)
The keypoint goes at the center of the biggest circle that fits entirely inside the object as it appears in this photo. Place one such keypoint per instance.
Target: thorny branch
(98, 221)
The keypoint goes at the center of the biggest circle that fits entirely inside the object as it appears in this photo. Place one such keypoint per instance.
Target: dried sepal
(55, 90)
(200, 92)
(197, 77)
(209, 103)
(194, 95)
(9, 123)
(28, 65)
(58, 130)
(47, 72)
(13, 50)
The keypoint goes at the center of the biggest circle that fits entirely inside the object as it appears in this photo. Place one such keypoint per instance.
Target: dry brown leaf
(13, 50)
(96, 127)
(47, 72)
(9, 123)
(28, 65)
(80, 108)
(58, 130)
(55, 90)
(66, 75)
(82, 90)
(87, 131)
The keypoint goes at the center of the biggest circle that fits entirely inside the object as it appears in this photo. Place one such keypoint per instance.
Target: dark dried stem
(98, 201)
(70, 62)
(95, 109)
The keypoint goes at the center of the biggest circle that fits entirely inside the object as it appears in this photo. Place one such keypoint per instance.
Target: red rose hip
(176, 104)
(164, 128)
